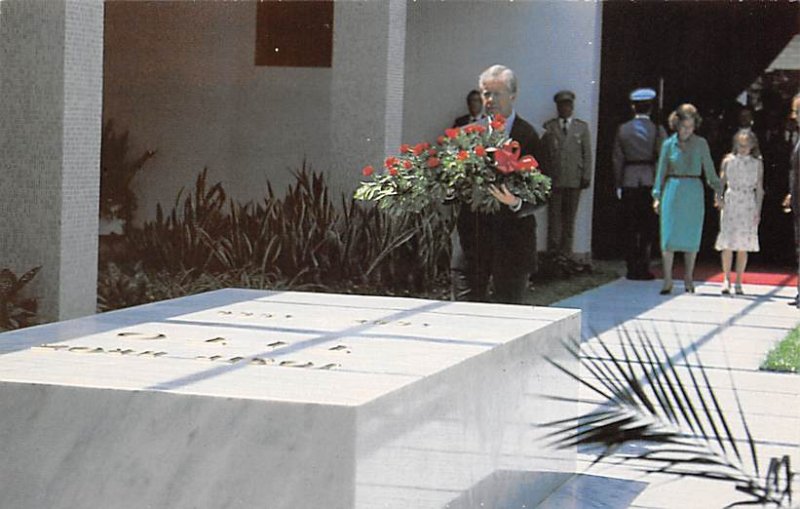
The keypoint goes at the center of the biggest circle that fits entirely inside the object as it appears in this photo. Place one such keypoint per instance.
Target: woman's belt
(683, 176)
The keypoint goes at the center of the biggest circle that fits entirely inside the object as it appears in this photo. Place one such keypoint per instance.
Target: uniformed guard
(569, 156)
(636, 148)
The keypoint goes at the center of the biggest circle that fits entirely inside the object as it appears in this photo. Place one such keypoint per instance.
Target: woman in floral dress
(742, 177)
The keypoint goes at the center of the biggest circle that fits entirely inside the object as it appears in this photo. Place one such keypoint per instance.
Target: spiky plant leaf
(677, 417)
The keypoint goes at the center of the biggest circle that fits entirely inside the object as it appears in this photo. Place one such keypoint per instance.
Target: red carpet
(755, 275)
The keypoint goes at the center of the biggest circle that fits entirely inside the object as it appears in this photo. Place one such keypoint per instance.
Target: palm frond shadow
(668, 407)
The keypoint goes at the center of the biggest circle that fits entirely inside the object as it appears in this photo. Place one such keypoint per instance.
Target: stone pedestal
(240, 398)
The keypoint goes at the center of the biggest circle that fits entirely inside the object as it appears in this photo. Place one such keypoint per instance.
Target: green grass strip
(785, 356)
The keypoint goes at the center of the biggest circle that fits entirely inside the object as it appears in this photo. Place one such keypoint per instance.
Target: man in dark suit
(475, 108)
(502, 245)
(792, 199)
(636, 149)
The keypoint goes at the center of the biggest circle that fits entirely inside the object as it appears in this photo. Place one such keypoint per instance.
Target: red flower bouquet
(463, 164)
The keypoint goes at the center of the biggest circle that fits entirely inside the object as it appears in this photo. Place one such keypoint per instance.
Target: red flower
(500, 118)
(432, 152)
(480, 151)
(367, 171)
(418, 149)
(452, 132)
(404, 147)
(475, 128)
(393, 171)
(462, 154)
(440, 140)
(433, 162)
(498, 125)
(390, 161)
(407, 165)
(528, 163)
(508, 160)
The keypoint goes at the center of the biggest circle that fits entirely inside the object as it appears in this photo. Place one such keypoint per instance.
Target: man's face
(475, 104)
(496, 97)
(564, 108)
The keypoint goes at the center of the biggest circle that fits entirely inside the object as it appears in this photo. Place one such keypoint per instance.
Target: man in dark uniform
(636, 149)
(500, 246)
(475, 108)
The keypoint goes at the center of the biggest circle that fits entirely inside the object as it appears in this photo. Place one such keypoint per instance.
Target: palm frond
(676, 416)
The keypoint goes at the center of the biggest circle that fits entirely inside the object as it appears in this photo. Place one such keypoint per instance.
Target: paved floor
(731, 336)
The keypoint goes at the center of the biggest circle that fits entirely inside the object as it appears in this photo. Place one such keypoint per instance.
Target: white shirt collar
(510, 122)
(642, 115)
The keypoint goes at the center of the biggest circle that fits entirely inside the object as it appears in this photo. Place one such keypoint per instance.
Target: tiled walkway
(731, 336)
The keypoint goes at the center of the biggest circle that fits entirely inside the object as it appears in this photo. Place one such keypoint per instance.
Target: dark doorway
(707, 54)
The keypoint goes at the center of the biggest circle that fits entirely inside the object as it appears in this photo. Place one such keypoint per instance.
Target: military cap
(643, 94)
(564, 95)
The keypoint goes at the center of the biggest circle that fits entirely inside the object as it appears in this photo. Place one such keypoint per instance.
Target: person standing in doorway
(678, 193)
(636, 148)
(569, 164)
(742, 176)
(792, 199)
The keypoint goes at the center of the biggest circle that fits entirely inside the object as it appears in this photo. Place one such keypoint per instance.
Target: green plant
(187, 238)
(785, 356)
(463, 166)
(677, 417)
(16, 311)
(301, 238)
(117, 199)
(118, 288)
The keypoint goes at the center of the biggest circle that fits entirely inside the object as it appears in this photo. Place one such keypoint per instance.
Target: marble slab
(243, 398)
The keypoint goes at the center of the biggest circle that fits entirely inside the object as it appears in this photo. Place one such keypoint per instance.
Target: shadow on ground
(514, 489)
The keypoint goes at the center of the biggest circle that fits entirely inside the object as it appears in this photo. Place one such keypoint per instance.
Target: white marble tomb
(254, 399)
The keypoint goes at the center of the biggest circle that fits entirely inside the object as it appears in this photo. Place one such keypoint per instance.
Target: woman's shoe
(666, 290)
(726, 287)
(739, 290)
(689, 286)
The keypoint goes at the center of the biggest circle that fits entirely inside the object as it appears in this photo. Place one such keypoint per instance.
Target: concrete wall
(50, 85)
(180, 76)
(550, 45)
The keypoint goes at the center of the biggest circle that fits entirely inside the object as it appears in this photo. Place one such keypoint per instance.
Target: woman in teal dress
(678, 193)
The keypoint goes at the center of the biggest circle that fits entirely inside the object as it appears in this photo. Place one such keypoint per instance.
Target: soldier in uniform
(636, 149)
(568, 146)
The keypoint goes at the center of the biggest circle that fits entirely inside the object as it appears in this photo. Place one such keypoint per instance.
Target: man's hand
(504, 196)
(787, 203)
(656, 206)
(618, 192)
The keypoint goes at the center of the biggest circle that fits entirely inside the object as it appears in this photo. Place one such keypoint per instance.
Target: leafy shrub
(15, 310)
(300, 241)
(118, 170)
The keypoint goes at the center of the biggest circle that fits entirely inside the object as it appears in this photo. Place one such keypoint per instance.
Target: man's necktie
(564, 126)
